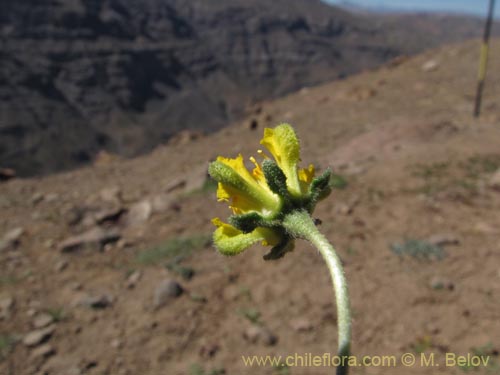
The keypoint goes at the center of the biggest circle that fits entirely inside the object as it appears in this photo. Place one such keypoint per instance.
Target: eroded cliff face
(80, 76)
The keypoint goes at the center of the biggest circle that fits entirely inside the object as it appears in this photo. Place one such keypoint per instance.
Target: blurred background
(109, 114)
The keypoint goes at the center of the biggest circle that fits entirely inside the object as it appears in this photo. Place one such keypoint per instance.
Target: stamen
(263, 154)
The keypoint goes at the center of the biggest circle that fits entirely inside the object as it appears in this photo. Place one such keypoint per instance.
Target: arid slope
(417, 167)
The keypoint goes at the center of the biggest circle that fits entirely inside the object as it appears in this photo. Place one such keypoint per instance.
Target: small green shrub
(251, 314)
(180, 248)
(431, 171)
(281, 369)
(7, 343)
(186, 273)
(57, 313)
(480, 164)
(418, 249)
(197, 369)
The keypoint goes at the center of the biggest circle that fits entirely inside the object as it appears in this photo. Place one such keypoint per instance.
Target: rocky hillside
(109, 269)
(77, 77)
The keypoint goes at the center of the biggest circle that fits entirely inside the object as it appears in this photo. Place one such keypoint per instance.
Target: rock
(109, 215)
(75, 286)
(139, 213)
(42, 321)
(6, 307)
(116, 344)
(166, 291)
(99, 301)
(175, 184)
(209, 350)
(11, 238)
(44, 351)
(343, 209)
(430, 65)
(439, 283)
(38, 337)
(260, 335)
(95, 237)
(196, 179)
(74, 214)
(73, 371)
(485, 228)
(61, 265)
(111, 195)
(301, 325)
(398, 60)
(133, 279)
(51, 197)
(36, 198)
(31, 312)
(49, 243)
(7, 174)
(104, 157)
(124, 243)
(494, 181)
(443, 239)
(184, 137)
(162, 202)
(361, 93)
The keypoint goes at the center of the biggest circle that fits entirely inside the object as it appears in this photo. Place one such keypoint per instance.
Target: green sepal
(320, 186)
(247, 222)
(276, 179)
(221, 172)
(279, 251)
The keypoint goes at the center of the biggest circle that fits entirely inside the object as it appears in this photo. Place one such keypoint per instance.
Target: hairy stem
(300, 225)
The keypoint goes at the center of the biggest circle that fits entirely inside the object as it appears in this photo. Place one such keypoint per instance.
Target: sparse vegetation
(251, 314)
(7, 343)
(431, 171)
(448, 176)
(180, 248)
(197, 298)
(351, 251)
(197, 369)
(477, 165)
(435, 177)
(186, 273)
(281, 369)
(418, 249)
(422, 344)
(486, 353)
(8, 280)
(246, 292)
(57, 313)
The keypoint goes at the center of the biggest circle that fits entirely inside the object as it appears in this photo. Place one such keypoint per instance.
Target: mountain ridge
(80, 77)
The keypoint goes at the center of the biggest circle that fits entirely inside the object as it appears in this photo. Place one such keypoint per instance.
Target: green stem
(300, 225)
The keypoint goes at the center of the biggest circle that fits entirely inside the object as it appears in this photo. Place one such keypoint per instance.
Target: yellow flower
(247, 192)
(231, 241)
(262, 198)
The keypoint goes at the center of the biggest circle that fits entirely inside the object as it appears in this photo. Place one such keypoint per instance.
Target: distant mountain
(81, 76)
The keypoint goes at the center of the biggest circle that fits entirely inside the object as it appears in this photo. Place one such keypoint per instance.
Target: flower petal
(306, 175)
(231, 241)
(246, 192)
(283, 144)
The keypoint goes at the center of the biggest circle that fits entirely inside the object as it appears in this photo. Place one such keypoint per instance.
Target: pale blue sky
(478, 7)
